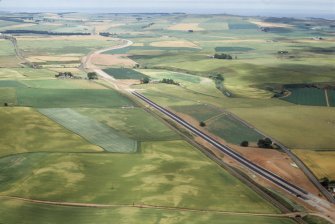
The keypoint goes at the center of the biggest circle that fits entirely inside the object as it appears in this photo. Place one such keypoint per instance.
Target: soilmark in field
(95, 132)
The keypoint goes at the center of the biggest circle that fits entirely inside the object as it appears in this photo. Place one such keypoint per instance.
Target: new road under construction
(295, 190)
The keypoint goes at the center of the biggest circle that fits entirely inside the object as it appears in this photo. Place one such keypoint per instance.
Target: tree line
(44, 32)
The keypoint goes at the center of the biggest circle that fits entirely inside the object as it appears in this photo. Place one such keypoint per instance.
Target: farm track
(17, 49)
(148, 206)
(327, 98)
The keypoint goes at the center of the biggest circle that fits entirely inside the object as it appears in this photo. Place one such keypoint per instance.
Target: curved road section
(87, 64)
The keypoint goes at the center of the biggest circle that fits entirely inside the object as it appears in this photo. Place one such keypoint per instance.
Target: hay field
(185, 27)
(298, 127)
(113, 60)
(320, 162)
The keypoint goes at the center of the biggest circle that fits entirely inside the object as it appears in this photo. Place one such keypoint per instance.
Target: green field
(7, 55)
(59, 149)
(132, 122)
(25, 73)
(220, 123)
(171, 173)
(232, 130)
(331, 97)
(233, 49)
(14, 211)
(7, 95)
(310, 219)
(307, 96)
(61, 84)
(93, 131)
(201, 112)
(11, 83)
(192, 83)
(298, 127)
(65, 98)
(61, 47)
(124, 73)
(26, 130)
(149, 49)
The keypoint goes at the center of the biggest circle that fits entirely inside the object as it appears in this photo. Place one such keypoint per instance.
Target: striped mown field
(95, 132)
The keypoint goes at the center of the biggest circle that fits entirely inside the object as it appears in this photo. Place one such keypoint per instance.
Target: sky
(298, 8)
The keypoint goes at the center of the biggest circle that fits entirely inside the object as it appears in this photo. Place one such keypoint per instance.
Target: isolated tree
(202, 124)
(145, 80)
(5, 104)
(244, 143)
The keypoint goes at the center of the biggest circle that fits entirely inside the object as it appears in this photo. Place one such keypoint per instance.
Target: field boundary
(149, 206)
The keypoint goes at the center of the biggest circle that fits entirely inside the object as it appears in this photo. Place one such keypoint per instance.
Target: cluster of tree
(217, 77)
(278, 94)
(265, 29)
(106, 34)
(326, 183)
(64, 75)
(92, 75)
(265, 143)
(14, 19)
(169, 81)
(223, 56)
(44, 32)
(202, 124)
(147, 26)
(145, 80)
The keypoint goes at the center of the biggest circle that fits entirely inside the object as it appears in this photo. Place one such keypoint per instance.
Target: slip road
(295, 190)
